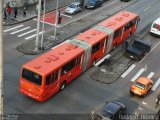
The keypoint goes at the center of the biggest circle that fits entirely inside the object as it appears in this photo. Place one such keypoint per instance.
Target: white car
(73, 8)
(155, 28)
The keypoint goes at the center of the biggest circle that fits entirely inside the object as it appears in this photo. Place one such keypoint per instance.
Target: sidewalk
(31, 11)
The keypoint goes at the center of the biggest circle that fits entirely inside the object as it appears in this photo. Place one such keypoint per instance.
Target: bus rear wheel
(63, 85)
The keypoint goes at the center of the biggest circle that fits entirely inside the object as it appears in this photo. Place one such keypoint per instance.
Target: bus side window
(55, 76)
(48, 79)
(69, 66)
(95, 48)
(102, 43)
(78, 60)
(117, 33)
(133, 22)
(127, 26)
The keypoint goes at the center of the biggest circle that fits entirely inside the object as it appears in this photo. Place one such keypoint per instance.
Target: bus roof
(117, 21)
(92, 36)
(53, 59)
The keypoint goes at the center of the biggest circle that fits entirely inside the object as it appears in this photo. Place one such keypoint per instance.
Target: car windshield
(156, 26)
(140, 85)
(32, 77)
(72, 6)
(91, 1)
(107, 113)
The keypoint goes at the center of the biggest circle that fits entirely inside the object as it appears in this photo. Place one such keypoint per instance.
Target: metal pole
(1, 59)
(44, 10)
(56, 20)
(38, 25)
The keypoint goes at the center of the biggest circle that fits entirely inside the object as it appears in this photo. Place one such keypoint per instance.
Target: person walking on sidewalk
(24, 12)
(9, 10)
(15, 12)
(5, 13)
(42, 5)
(157, 100)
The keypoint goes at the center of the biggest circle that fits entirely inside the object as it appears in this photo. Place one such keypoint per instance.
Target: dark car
(91, 4)
(111, 111)
(138, 49)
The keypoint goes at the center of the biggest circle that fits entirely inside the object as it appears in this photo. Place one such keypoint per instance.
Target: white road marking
(13, 28)
(100, 61)
(138, 74)
(66, 15)
(20, 30)
(150, 75)
(26, 33)
(140, 108)
(147, 8)
(27, 38)
(155, 86)
(144, 103)
(45, 22)
(150, 51)
(128, 71)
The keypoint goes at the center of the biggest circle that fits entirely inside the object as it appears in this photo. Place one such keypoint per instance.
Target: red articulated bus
(45, 75)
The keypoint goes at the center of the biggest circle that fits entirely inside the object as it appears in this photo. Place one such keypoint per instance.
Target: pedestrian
(42, 5)
(157, 100)
(24, 12)
(15, 12)
(5, 14)
(9, 10)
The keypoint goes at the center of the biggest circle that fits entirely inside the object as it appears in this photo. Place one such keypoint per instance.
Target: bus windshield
(156, 26)
(32, 77)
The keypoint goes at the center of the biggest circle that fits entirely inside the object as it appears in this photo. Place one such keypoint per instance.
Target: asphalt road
(84, 94)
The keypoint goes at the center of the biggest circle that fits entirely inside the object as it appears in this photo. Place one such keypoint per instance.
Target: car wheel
(131, 93)
(63, 85)
(144, 95)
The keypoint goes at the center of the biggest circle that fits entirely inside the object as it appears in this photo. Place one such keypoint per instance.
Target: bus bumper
(29, 94)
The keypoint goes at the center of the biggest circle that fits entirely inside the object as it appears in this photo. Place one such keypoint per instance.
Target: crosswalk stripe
(128, 71)
(155, 86)
(27, 38)
(13, 28)
(26, 33)
(150, 75)
(20, 30)
(138, 74)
